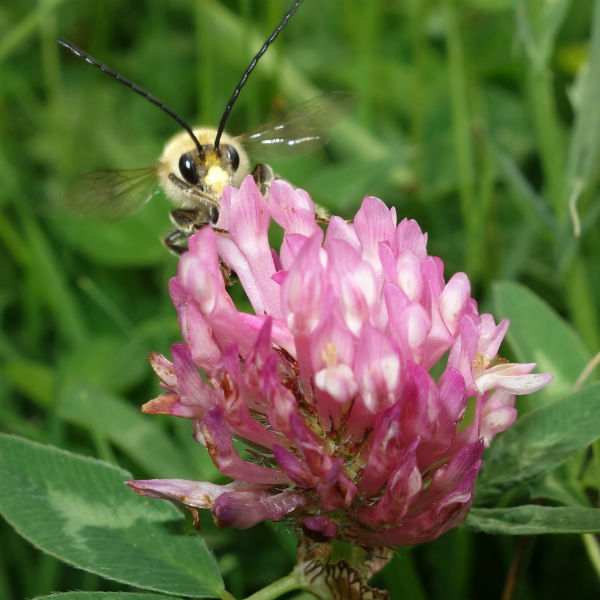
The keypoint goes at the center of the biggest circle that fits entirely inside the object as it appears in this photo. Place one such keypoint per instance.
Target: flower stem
(277, 588)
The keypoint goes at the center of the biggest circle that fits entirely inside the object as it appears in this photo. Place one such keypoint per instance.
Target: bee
(197, 163)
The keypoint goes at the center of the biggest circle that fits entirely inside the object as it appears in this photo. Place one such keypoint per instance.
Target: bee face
(191, 178)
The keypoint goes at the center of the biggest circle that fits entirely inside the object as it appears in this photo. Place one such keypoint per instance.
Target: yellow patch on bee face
(216, 178)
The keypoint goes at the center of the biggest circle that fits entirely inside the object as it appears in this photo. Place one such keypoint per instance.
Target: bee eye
(187, 168)
(232, 156)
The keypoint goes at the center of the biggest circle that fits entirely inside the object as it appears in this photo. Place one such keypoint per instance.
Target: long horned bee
(197, 163)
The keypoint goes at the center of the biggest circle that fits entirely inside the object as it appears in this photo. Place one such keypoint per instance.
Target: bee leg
(189, 220)
(263, 176)
(321, 215)
(177, 242)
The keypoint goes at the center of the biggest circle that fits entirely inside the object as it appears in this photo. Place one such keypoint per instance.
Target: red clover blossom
(328, 384)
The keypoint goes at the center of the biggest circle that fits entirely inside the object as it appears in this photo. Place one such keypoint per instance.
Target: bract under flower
(328, 383)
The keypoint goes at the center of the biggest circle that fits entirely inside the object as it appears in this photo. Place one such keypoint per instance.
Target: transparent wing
(303, 129)
(111, 195)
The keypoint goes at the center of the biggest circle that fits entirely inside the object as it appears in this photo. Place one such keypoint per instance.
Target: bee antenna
(92, 61)
(253, 62)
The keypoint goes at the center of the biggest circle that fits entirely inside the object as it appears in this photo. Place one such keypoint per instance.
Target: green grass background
(472, 116)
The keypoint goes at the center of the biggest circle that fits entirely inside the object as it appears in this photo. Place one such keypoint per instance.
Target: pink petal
(355, 285)
(247, 508)
(234, 404)
(303, 290)
(321, 525)
(385, 448)
(281, 404)
(292, 209)
(164, 369)
(374, 222)
(498, 415)
(448, 477)
(453, 299)
(490, 335)
(404, 483)
(294, 468)
(249, 223)
(408, 323)
(200, 494)
(193, 390)
(513, 378)
(439, 338)
(199, 336)
(335, 490)
(169, 404)
(338, 382)
(220, 447)
(409, 237)
(339, 229)
(377, 369)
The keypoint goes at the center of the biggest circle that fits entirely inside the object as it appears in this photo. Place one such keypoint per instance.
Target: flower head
(328, 383)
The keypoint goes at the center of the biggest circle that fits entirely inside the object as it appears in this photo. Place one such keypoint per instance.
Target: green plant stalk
(366, 40)
(205, 67)
(275, 589)
(593, 550)
(582, 156)
(590, 542)
(401, 577)
(542, 110)
(483, 186)
(13, 242)
(54, 108)
(48, 573)
(581, 303)
(417, 15)
(461, 125)
(485, 197)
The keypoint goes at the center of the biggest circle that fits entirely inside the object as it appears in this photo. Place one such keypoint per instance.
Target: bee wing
(303, 129)
(111, 195)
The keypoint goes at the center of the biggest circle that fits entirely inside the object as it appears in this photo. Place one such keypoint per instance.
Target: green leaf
(531, 519)
(540, 441)
(539, 23)
(136, 434)
(78, 509)
(33, 379)
(116, 363)
(105, 596)
(582, 157)
(537, 333)
(562, 485)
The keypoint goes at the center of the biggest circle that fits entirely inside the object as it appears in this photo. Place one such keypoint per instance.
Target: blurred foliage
(478, 118)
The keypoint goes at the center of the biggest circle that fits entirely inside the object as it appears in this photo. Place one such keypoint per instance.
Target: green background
(474, 117)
